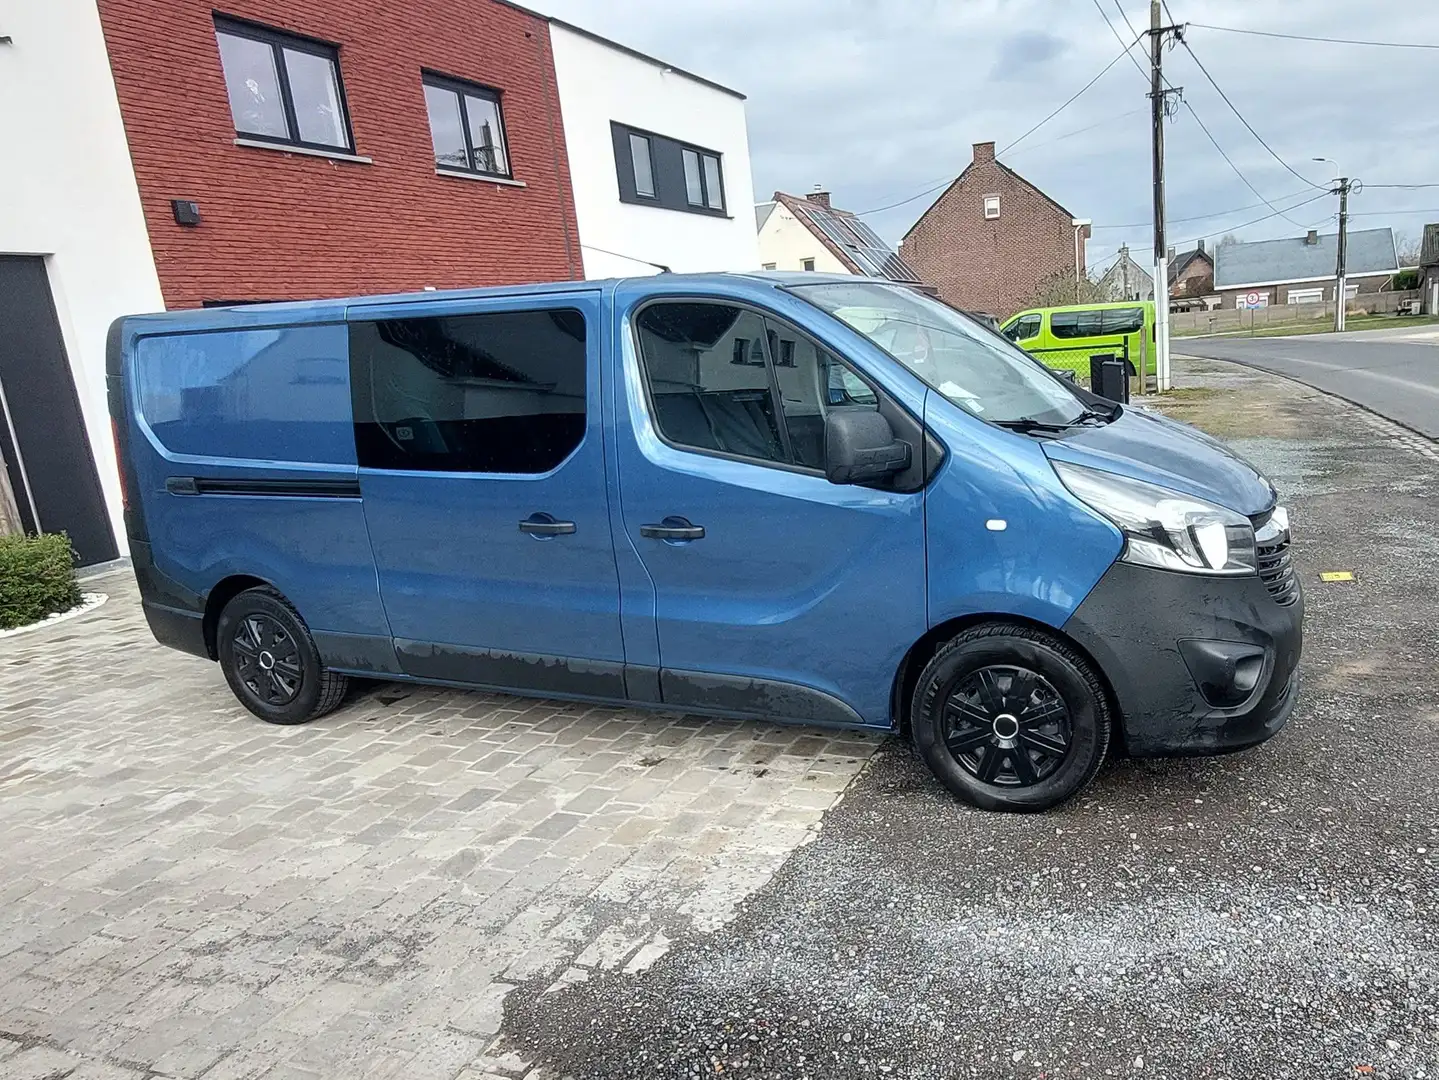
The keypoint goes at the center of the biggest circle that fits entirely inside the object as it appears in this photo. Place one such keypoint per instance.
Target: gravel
(1274, 913)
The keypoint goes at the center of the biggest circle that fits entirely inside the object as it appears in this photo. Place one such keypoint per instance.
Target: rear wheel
(1009, 717)
(270, 660)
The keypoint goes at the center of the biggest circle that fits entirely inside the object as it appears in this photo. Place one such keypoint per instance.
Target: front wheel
(1009, 717)
(270, 660)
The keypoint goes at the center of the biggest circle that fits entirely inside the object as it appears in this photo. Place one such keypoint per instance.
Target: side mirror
(860, 447)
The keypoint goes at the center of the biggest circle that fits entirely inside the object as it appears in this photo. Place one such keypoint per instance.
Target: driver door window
(1024, 328)
(723, 379)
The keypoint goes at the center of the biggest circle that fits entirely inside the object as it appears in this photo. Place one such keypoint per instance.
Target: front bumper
(1198, 665)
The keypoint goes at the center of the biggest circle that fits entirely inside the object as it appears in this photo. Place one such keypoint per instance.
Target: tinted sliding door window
(501, 392)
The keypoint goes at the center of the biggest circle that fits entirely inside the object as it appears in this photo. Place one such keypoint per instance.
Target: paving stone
(190, 891)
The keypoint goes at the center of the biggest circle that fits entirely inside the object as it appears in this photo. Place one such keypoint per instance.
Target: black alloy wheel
(1007, 725)
(267, 660)
(270, 659)
(1010, 716)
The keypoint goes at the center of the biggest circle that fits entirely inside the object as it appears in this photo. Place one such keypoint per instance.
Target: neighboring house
(992, 238)
(810, 234)
(1429, 269)
(252, 150)
(659, 161)
(1300, 270)
(1191, 273)
(1126, 279)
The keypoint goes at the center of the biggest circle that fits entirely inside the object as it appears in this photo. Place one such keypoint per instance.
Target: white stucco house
(659, 161)
(74, 255)
(810, 233)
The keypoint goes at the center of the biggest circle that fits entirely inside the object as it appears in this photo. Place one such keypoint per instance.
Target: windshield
(974, 367)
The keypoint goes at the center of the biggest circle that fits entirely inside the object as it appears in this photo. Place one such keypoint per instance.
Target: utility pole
(1343, 183)
(1161, 261)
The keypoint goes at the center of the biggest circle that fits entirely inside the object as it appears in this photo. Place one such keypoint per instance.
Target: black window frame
(278, 41)
(653, 194)
(881, 397)
(460, 88)
(666, 172)
(1037, 318)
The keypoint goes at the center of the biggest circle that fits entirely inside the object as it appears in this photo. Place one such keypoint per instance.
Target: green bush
(37, 578)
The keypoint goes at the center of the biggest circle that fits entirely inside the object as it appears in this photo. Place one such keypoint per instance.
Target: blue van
(732, 495)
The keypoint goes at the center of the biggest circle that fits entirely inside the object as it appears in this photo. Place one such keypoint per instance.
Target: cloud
(1023, 51)
(880, 99)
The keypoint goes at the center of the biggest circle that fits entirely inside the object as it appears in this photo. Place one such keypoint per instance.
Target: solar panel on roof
(857, 240)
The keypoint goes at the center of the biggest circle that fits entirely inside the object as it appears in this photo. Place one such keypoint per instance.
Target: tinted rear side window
(1122, 320)
(270, 395)
(1076, 324)
(500, 392)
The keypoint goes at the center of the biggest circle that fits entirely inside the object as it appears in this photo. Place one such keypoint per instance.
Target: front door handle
(673, 528)
(546, 525)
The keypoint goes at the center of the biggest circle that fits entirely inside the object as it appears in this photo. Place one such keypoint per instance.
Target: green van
(1066, 337)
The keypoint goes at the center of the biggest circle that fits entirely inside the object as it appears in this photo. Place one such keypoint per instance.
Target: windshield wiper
(1029, 423)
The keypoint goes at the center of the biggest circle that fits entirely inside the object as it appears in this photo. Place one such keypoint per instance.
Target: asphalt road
(1270, 914)
(1393, 372)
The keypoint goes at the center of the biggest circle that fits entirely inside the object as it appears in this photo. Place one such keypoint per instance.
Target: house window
(767, 266)
(991, 206)
(644, 166)
(1304, 296)
(283, 89)
(655, 170)
(466, 127)
(806, 264)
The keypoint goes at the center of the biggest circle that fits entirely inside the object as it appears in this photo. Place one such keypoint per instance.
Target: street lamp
(1078, 223)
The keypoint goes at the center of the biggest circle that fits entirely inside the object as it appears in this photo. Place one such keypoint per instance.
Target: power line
(1239, 114)
(1201, 217)
(1102, 72)
(1405, 187)
(878, 209)
(1229, 161)
(1080, 131)
(1243, 225)
(1310, 37)
(1120, 38)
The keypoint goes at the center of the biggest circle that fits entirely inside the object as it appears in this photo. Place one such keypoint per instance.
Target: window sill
(286, 148)
(503, 181)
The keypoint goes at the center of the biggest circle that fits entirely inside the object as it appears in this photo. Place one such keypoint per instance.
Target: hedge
(37, 578)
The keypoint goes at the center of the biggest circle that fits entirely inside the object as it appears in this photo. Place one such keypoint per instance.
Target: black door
(52, 471)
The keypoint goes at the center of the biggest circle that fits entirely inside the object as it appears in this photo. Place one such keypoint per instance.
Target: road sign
(1254, 300)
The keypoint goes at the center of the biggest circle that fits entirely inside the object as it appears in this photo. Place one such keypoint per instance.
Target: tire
(1009, 717)
(270, 660)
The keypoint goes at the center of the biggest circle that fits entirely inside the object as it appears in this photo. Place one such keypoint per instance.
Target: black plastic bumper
(1199, 665)
(175, 614)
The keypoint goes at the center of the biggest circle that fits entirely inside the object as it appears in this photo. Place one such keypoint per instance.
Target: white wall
(599, 83)
(787, 242)
(67, 192)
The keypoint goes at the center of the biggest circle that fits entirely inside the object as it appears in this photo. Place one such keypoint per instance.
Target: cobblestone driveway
(187, 891)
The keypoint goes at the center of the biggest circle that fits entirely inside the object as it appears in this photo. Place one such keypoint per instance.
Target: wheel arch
(225, 590)
(906, 677)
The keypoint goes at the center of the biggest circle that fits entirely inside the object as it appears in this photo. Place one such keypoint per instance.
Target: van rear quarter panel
(256, 404)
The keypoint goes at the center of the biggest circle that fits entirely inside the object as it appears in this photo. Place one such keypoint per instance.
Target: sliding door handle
(545, 525)
(673, 528)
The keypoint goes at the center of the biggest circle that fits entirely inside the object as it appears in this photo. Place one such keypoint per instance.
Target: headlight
(1165, 528)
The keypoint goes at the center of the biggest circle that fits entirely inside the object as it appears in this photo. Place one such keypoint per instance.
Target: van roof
(334, 309)
(1086, 307)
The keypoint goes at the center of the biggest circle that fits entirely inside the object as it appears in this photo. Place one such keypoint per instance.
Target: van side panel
(244, 456)
(1003, 535)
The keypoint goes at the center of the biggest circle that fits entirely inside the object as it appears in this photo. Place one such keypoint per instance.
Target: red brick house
(299, 128)
(992, 237)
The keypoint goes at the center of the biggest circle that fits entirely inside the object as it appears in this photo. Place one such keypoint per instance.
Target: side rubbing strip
(294, 489)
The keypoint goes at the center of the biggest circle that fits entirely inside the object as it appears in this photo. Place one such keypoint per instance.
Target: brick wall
(991, 265)
(278, 225)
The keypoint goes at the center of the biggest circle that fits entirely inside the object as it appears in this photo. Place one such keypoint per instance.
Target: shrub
(37, 578)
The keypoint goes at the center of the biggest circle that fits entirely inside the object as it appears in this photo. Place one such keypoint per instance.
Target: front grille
(1276, 570)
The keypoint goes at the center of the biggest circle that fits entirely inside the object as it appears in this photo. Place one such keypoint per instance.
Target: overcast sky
(880, 99)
